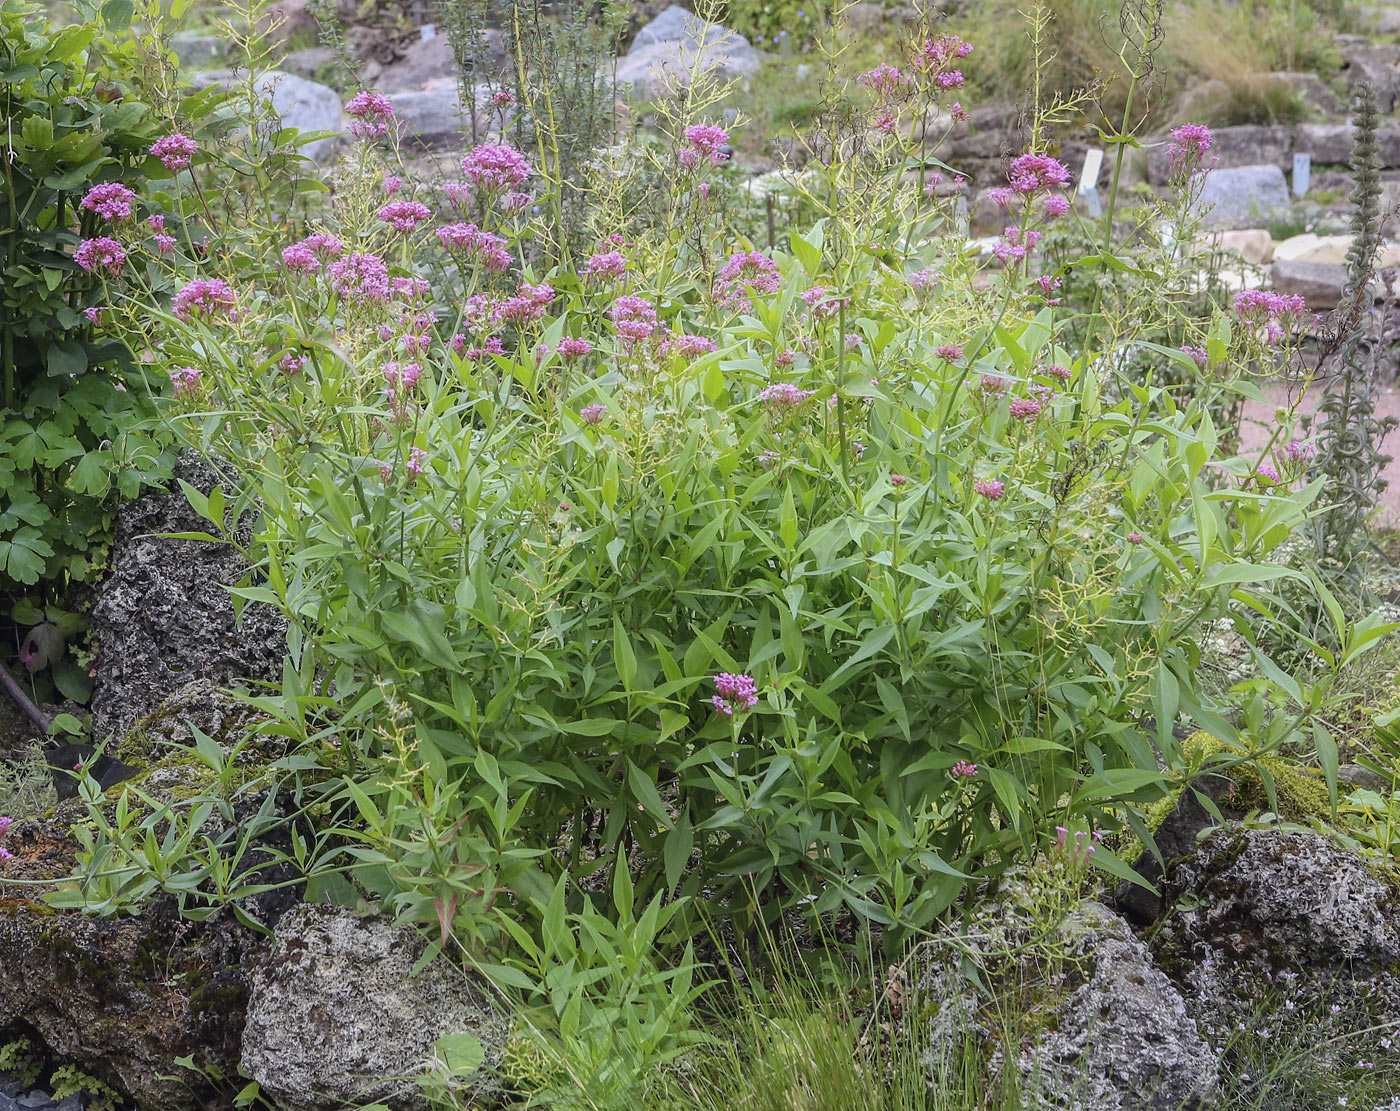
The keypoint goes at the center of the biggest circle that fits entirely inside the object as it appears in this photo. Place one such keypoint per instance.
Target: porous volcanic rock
(120, 997)
(1256, 906)
(163, 616)
(1101, 1029)
(335, 1017)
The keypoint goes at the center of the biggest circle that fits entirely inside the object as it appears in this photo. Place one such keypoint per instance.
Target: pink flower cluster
(734, 692)
(573, 348)
(487, 248)
(101, 253)
(526, 307)
(360, 278)
(1188, 147)
(1013, 247)
(205, 297)
(175, 151)
(783, 397)
(593, 414)
(1079, 846)
(369, 114)
(1298, 452)
(936, 53)
(404, 216)
(1275, 311)
(605, 265)
(963, 770)
(992, 489)
(417, 462)
(950, 351)
(308, 256)
(704, 141)
(1030, 173)
(111, 200)
(1199, 355)
(748, 271)
(687, 346)
(923, 281)
(885, 80)
(185, 380)
(634, 318)
(5, 824)
(495, 168)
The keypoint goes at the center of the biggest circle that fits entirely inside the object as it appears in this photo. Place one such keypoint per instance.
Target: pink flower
(185, 380)
(94, 315)
(593, 414)
(1048, 284)
(707, 141)
(933, 54)
(495, 168)
(958, 112)
(370, 114)
(571, 348)
(360, 278)
(748, 271)
(898, 480)
(1134, 538)
(175, 151)
(165, 244)
(784, 397)
(391, 184)
(517, 202)
(605, 264)
(688, 346)
(502, 98)
(963, 770)
(1025, 408)
(923, 281)
(292, 363)
(784, 359)
(1298, 451)
(634, 318)
(1262, 305)
(1267, 472)
(417, 462)
(1013, 247)
(156, 221)
(853, 341)
(990, 488)
(111, 200)
(1002, 197)
(1188, 146)
(950, 352)
(404, 216)
(205, 297)
(1198, 355)
(734, 692)
(884, 79)
(1054, 206)
(1029, 173)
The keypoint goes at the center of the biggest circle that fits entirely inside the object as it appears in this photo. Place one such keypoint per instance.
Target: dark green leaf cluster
(68, 401)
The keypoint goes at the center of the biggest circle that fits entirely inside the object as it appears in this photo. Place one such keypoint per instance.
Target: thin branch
(36, 715)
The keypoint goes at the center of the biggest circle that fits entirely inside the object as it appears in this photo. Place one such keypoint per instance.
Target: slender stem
(15, 691)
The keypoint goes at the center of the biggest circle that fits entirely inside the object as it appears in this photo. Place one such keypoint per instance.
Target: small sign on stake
(1089, 180)
(1302, 174)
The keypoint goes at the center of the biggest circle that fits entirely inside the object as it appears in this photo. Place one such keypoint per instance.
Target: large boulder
(432, 64)
(434, 119)
(669, 50)
(1243, 197)
(1291, 908)
(120, 997)
(291, 101)
(163, 615)
(1097, 1026)
(1249, 145)
(336, 1015)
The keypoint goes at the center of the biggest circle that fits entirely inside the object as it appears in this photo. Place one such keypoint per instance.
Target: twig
(36, 715)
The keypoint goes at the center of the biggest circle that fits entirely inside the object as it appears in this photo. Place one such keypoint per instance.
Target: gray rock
(1107, 1031)
(1247, 146)
(1325, 142)
(291, 101)
(1175, 837)
(1312, 90)
(668, 50)
(288, 21)
(1254, 906)
(70, 1103)
(7, 1103)
(1380, 65)
(1320, 284)
(334, 1016)
(163, 616)
(36, 1101)
(1243, 197)
(92, 994)
(192, 49)
(427, 63)
(433, 119)
(310, 62)
(869, 17)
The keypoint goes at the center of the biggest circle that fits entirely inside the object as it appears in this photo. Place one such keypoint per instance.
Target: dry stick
(36, 715)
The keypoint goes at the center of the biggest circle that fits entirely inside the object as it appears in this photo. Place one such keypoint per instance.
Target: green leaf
(676, 850)
(66, 357)
(422, 624)
(117, 14)
(463, 1054)
(623, 656)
